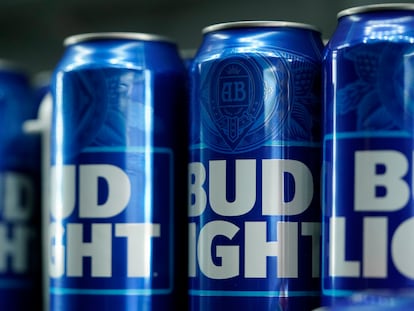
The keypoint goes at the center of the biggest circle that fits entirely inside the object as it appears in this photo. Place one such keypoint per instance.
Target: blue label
(111, 223)
(367, 201)
(254, 227)
(369, 221)
(117, 178)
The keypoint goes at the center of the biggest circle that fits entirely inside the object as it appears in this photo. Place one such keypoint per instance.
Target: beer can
(368, 82)
(20, 246)
(116, 178)
(255, 150)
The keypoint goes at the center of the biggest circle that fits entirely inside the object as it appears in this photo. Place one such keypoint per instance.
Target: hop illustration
(365, 59)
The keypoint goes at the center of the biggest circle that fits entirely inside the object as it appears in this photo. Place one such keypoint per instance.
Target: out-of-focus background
(32, 31)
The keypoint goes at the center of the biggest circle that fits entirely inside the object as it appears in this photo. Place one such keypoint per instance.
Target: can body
(115, 179)
(20, 247)
(368, 70)
(254, 217)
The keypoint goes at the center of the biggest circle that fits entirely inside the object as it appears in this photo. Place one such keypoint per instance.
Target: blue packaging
(116, 175)
(254, 215)
(368, 69)
(20, 246)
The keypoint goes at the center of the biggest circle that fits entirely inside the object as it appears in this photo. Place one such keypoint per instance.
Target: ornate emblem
(234, 108)
(379, 95)
(240, 97)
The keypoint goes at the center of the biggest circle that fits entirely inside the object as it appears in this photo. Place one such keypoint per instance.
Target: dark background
(32, 31)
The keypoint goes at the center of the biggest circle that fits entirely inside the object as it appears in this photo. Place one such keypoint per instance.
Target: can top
(115, 35)
(257, 24)
(376, 8)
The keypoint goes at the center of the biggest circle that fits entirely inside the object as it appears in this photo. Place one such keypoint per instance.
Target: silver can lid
(71, 40)
(258, 24)
(376, 8)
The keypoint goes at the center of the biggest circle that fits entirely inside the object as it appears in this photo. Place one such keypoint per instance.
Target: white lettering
(368, 180)
(14, 247)
(375, 249)
(197, 200)
(375, 233)
(119, 191)
(313, 229)
(19, 197)
(96, 191)
(99, 250)
(192, 252)
(257, 249)
(214, 248)
(138, 237)
(62, 184)
(228, 255)
(338, 265)
(402, 249)
(273, 186)
(245, 188)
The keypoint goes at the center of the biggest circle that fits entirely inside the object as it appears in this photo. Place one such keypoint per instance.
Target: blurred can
(368, 224)
(116, 179)
(20, 246)
(254, 215)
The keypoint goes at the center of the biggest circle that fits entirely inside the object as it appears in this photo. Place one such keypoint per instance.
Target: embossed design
(251, 100)
(380, 95)
(235, 108)
(304, 116)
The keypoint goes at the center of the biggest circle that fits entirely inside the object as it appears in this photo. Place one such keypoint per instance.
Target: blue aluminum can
(368, 224)
(20, 247)
(116, 178)
(254, 215)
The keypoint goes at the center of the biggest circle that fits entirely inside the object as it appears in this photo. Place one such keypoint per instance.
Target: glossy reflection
(117, 175)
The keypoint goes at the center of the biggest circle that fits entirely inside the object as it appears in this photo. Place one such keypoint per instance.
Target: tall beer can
(254, 215)
(116, 178)
(368, 224)
(20, 246)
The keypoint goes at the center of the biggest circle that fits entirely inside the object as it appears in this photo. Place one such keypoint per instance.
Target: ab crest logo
(240, 96)
(235, 106)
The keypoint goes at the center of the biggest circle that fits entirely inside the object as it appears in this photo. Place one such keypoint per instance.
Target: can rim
(257, 24)
(375, 8)
(138, 36)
